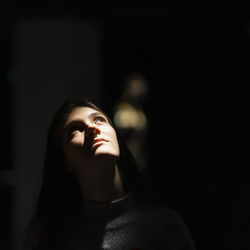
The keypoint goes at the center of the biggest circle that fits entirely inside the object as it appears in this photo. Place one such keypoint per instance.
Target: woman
(92, 195)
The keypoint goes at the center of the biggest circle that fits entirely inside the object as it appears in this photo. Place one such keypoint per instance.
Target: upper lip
(99, 139)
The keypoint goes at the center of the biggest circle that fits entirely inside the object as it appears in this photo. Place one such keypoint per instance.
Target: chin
(105, 149)
(106, 153)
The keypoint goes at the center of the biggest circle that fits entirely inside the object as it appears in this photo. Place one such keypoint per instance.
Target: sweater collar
(105, 211)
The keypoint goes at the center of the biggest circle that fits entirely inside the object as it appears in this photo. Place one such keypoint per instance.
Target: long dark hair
(60, 194)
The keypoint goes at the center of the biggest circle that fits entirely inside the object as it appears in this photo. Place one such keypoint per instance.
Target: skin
(91, 151)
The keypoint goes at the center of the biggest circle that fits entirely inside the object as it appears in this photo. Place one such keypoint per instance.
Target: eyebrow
(71, 123)
(96, 113)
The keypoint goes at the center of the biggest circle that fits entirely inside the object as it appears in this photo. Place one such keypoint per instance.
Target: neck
(101, 183)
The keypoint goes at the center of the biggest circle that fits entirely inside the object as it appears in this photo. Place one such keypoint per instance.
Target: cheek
(116, 144)
(73, 151)
(72, 144)
(110, 134)
(76, 139)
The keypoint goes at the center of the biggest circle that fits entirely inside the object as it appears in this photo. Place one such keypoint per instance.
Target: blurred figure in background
(130, 117)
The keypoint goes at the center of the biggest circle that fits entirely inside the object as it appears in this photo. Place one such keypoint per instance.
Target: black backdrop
(196, 61)
(195, 57)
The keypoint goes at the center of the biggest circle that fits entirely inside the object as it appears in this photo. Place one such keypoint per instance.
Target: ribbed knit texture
(123, 224)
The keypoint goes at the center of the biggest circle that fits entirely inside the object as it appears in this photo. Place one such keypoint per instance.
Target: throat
(101, 185)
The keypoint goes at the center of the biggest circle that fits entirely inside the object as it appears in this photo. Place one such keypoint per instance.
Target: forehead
(82, 113)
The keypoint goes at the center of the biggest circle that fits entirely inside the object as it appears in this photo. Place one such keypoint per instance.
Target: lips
(99, 140)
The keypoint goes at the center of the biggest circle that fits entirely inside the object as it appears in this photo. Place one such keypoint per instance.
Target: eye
(76, 127)
(99, 119)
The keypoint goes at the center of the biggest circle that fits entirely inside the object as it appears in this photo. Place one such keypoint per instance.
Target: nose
(92, 130)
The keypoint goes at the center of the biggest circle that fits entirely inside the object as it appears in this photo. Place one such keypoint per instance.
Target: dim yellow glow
(127, 116)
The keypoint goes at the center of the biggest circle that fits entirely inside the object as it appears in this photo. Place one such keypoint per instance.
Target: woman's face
(88, 137)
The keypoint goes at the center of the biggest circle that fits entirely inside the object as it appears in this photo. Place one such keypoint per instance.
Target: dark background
(195, 57)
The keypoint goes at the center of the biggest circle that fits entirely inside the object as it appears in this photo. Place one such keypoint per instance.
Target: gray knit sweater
(123, 224)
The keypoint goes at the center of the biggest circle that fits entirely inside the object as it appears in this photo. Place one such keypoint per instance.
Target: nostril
(91, 130)
(98, 131)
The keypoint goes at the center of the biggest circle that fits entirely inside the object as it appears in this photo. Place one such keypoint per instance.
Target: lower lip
(98, 143)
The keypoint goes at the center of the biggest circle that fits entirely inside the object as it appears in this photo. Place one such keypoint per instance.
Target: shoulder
(160, 213)
(167, 223)
(147, 213)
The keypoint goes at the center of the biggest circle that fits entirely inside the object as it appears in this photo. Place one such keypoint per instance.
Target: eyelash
(99, 117)
(76, 127)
